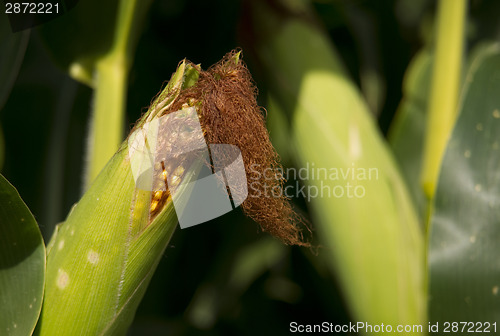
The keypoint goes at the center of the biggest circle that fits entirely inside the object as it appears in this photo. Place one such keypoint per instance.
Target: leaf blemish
(93, 257)
(62, 279)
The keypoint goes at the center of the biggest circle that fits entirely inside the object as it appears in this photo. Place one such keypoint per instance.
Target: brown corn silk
(226, 99)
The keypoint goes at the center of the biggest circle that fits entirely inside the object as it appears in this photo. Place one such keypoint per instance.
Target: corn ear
(102, 258)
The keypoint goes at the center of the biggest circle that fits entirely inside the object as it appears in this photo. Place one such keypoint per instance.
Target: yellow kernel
(179, 171)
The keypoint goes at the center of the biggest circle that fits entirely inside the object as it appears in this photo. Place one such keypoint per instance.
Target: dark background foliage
(45, 122)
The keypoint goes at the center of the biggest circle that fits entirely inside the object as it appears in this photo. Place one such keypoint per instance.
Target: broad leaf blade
(465, 227)
(22, 264)
(373, 242)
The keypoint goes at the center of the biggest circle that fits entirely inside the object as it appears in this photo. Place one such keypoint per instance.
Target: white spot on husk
(62, 279)
(93, 257)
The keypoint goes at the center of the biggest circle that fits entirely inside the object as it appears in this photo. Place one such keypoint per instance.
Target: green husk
(104, 255)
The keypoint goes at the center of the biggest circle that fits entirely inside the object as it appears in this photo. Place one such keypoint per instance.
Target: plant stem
(111, 88)
(107, 122)
(445, 87)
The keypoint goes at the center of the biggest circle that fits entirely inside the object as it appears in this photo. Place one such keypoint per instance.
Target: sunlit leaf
(366, 222)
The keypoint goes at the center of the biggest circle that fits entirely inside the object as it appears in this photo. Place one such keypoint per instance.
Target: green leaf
(445, 88)
(22, 264)
(373, 240)
(465, 227)
(406, 135)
